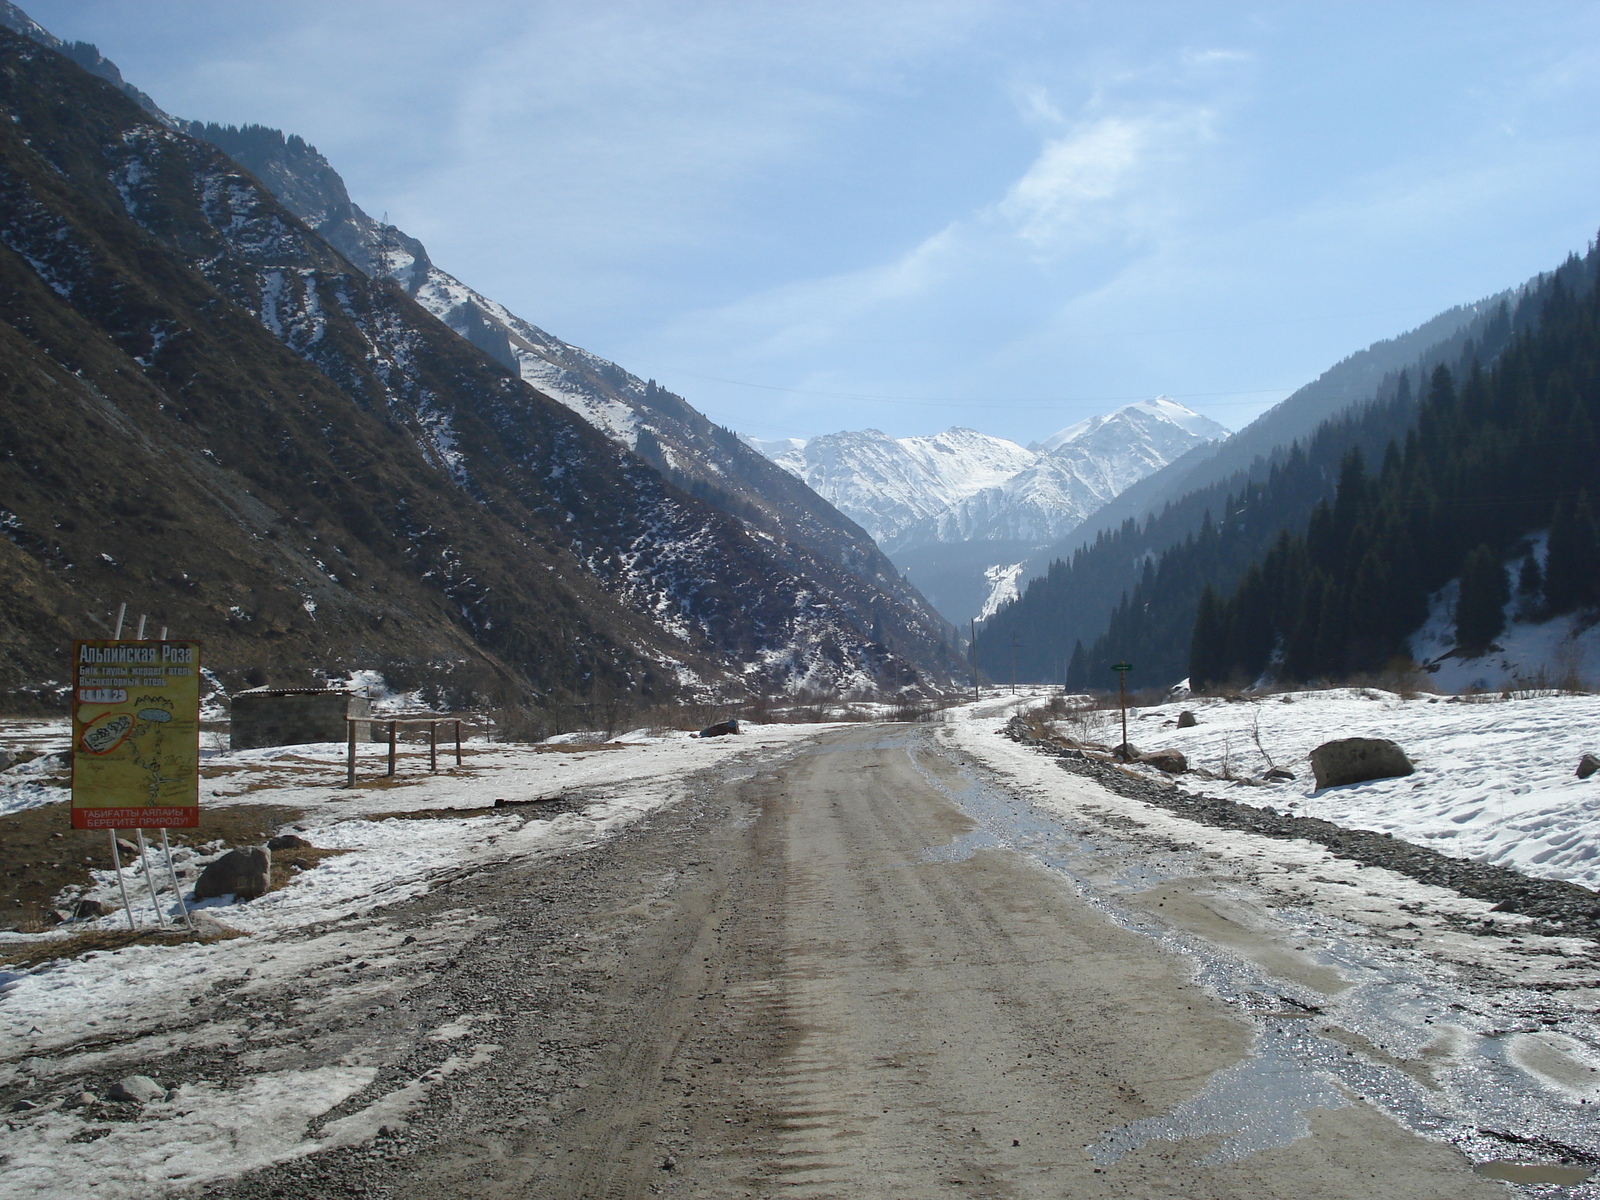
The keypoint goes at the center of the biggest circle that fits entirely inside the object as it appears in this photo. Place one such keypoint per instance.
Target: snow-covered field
(1494, 782)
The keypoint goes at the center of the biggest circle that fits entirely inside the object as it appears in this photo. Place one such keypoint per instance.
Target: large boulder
(1171, 761)
(1587, 766)
(136, 1089)
(1356, 760)
(289, 841)
(721, 728)
(244, 874)
(1186, 720)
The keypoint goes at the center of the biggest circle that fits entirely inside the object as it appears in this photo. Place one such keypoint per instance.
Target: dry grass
(41, 854)
(31, 954)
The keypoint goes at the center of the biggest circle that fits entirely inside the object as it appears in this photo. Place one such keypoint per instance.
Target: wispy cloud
(1104, 177)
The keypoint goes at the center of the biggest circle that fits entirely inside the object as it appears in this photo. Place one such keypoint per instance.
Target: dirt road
(818, 980)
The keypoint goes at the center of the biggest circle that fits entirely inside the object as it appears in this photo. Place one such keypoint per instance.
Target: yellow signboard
(135, 735)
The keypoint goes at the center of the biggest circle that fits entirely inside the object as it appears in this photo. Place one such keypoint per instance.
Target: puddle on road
(1258, 1103)
(1375, 1027)
(1527, 1172)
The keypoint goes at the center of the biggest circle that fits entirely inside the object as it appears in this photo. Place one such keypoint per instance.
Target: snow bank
(1494, 778)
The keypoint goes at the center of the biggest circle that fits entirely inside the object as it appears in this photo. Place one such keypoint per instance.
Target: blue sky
(807, 216)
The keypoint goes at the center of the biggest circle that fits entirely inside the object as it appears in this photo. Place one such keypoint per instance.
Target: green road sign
(1122, 666)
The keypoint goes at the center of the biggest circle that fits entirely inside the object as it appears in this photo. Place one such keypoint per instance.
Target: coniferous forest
(1495, 456)
(1311, 564)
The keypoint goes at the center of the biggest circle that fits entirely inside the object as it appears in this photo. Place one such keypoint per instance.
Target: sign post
(136, 739)
(1122, 670)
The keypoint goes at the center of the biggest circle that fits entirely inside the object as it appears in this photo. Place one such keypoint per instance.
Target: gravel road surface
(828, 974)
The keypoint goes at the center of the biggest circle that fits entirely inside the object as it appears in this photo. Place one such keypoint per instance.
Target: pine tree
(1208, 643)
(1530, 580)
(1078, 669)
(1371, 602)
(1573, 563)
(1300, 648)
(1481, 608)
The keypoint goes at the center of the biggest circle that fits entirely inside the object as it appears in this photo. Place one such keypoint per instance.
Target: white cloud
(1108, 177)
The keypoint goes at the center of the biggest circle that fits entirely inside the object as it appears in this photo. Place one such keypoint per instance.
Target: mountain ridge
(306, 469)
(961, 510)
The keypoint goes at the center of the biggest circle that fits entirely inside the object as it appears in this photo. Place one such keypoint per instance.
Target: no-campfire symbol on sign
(135, 735)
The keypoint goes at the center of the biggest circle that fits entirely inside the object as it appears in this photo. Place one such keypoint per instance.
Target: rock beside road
(245, 874)
(1171, 761)
(1357, 760)
(136, 1089)
(1587, 766)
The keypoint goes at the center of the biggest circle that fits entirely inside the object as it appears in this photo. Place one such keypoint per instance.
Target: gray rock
(1127, 752)
(1171, 761)
(138, 1089)
(244, 873)
(1587, 766)
(289, 841)
(1278, 775)
(1186, 720)
(1357, 760)
(88, 910)
(126, 847)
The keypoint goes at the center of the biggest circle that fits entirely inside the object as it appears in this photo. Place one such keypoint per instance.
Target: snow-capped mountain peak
(955, 504)
(887, 484)
(963, 486)
(1145, 414)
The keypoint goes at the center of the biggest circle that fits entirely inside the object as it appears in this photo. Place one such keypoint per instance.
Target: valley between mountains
(800, 838)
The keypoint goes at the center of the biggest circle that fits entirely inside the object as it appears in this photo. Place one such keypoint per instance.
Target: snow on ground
(1298, 872)
(102, 1010)
(612, 784)
(1559, 652)
(1494, 782)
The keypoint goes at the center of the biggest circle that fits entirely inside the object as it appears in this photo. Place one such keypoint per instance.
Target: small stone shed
(268, 716)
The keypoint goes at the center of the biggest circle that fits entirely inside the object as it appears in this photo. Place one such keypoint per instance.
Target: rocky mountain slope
(960, 510)
(663, 428)
(301, 466)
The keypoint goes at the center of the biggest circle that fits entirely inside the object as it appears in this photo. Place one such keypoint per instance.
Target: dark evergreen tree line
(1106, 598)
(1135, 594)
(1495, 456)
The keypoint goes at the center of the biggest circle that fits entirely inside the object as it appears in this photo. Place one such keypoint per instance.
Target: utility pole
(1122, 670)
(1015, 642)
